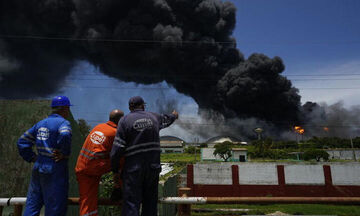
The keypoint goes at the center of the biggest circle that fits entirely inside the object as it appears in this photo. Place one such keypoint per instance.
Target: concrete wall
(272, 179)
(217, 173)
(304, 175)
(258, 174)
(348, 174)
(343, 154)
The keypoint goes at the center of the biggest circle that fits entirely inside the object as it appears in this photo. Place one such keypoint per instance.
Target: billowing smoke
(31, 67)
(211, 124)
(186, 43)
(258, 81)
(331, 120)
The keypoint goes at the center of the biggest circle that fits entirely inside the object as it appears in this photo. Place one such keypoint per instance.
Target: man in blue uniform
(137, 138)
(50, 177)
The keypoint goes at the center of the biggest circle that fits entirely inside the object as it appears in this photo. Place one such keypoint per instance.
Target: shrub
(191, 150)
(316, 154)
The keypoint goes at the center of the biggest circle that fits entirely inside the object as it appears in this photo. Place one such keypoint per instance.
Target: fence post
(184, 209)
(1, 209)
(18, 209)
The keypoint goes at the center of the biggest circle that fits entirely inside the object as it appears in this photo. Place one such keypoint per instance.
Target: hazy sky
(318, 40)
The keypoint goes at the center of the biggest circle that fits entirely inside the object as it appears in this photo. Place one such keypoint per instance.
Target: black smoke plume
(186, 43)
(331, 120)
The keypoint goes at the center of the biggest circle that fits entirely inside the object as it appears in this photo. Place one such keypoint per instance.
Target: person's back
(94, 161)
(137, 139)
(142, 136)
(97, 146)
(47, 141)
(49, 181)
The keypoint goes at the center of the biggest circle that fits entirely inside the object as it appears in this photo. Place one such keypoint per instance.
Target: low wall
(343, 154)
(272, 179)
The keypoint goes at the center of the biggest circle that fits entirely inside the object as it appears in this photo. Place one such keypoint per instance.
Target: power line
(210, 80)
(203, 75)
(230, 124)
(70, 38)
(321, 75)
(35, 37)
(166, 88)
(260, 121)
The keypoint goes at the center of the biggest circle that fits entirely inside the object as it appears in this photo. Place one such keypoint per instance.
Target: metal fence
(183, 202)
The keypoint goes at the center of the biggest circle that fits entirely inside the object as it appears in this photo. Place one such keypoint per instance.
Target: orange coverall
(92, 163)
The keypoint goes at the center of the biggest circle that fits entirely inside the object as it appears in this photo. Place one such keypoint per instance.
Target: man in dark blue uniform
(50, 178)
(137, 138)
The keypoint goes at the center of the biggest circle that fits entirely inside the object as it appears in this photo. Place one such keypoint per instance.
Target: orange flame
(326, 129)
(299, 130)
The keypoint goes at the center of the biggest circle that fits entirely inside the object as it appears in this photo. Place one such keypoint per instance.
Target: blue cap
(60, 101)
(136, 101)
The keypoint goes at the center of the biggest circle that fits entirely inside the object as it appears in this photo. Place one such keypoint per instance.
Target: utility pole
(352, 147)
(196, 140)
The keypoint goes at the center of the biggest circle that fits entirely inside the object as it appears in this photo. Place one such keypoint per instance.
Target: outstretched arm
(167, 120)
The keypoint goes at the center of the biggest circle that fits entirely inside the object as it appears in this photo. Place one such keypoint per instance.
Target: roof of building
(171, 138)
(170, 145)
(220, 139)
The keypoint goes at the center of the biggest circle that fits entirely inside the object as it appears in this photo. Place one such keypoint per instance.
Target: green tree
(316, 154)
(262, 148)
(190, 150)
(84, 127)
(203, 145)
(223, 150)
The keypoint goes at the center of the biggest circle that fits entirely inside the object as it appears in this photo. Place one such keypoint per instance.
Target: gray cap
(136, 101)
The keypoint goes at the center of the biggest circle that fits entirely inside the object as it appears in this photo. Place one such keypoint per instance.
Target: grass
(179, 157)
(294, 209)
(179, 162)
(16, 117)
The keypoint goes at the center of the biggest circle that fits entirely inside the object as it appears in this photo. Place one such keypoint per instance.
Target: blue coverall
(137, 138)
(50, 180)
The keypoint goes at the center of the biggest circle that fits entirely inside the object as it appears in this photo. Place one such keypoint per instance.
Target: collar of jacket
(112, 124)
(55, 115)
(136, 110)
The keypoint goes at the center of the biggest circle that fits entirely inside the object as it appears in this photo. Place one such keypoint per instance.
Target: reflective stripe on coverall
(50, 180)
(137, 139)
(92, 163)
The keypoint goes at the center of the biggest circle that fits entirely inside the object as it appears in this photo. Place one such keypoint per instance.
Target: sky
(318, 40)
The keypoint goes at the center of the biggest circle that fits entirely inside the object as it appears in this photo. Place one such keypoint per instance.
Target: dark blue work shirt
(137, 138)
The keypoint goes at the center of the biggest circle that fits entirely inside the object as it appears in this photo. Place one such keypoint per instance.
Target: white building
(171, 144)
(220, 139)
(343, 154)
(238, 154)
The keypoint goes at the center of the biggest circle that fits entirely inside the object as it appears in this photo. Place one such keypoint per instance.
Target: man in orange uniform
(94, 161)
